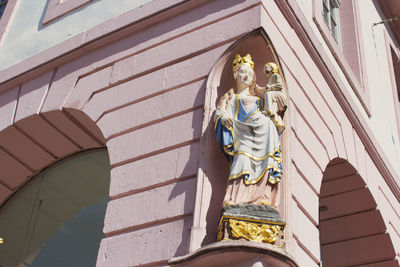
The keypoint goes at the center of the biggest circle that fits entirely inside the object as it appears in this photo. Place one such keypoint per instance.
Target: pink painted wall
(148, 95)
(321, 130)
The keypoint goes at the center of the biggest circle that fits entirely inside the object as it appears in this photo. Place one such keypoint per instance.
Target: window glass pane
(331, 8)
(330, 13)
(335, 15)
(57, 219)
(334, 31)
(333, 21)
(3, 4)
(325, 14)
(334, 3)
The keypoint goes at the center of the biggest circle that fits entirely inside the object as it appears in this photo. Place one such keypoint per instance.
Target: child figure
(275, 102)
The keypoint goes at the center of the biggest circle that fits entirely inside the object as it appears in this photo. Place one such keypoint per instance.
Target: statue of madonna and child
(248, 123)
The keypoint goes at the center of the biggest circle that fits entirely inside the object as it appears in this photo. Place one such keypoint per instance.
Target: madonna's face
(245, 75)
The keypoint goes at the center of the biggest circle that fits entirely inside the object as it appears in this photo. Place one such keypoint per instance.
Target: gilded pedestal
(252, 222)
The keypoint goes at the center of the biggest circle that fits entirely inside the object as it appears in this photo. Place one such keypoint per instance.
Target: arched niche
(352, 230)
(214, 168)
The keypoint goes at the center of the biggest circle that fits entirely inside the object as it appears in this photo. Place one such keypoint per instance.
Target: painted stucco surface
(383, 121)
(27, 36)
(149, 97)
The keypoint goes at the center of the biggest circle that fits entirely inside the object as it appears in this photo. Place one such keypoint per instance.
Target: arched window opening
(57, 219)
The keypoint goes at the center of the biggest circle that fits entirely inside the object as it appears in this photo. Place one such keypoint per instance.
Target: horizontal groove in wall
(35, 142)
(339, 177)
(177, 60)
(153, 186)
(340, 193)
(147, 124)
(306, 149)
(305, 178)
(61, 132)
(310, 101)
(146, 225)
(307, 124)
(6, 186)
(82, 127)
(349, 214)
(341, 161)
(396, 211)
(168, 40)
(350, 239)
(155, 152)
(24, 164)
(148, 97)
(381, 263)
(394, 229)
(305, 212)
(304, 248)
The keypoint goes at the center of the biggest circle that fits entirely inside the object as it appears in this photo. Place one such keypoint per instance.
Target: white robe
(254, 150)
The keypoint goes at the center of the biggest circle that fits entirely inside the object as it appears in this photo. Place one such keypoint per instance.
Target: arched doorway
(57, 218)
(352, 230)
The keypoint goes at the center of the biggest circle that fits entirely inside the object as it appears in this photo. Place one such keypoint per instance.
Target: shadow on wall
(189, 173)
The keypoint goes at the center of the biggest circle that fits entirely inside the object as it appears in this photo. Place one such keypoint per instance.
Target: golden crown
(239, 61)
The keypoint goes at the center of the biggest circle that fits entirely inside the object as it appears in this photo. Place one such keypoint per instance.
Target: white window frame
(330, 14)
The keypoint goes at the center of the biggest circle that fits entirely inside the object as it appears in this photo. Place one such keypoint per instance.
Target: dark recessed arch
(352, 230)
